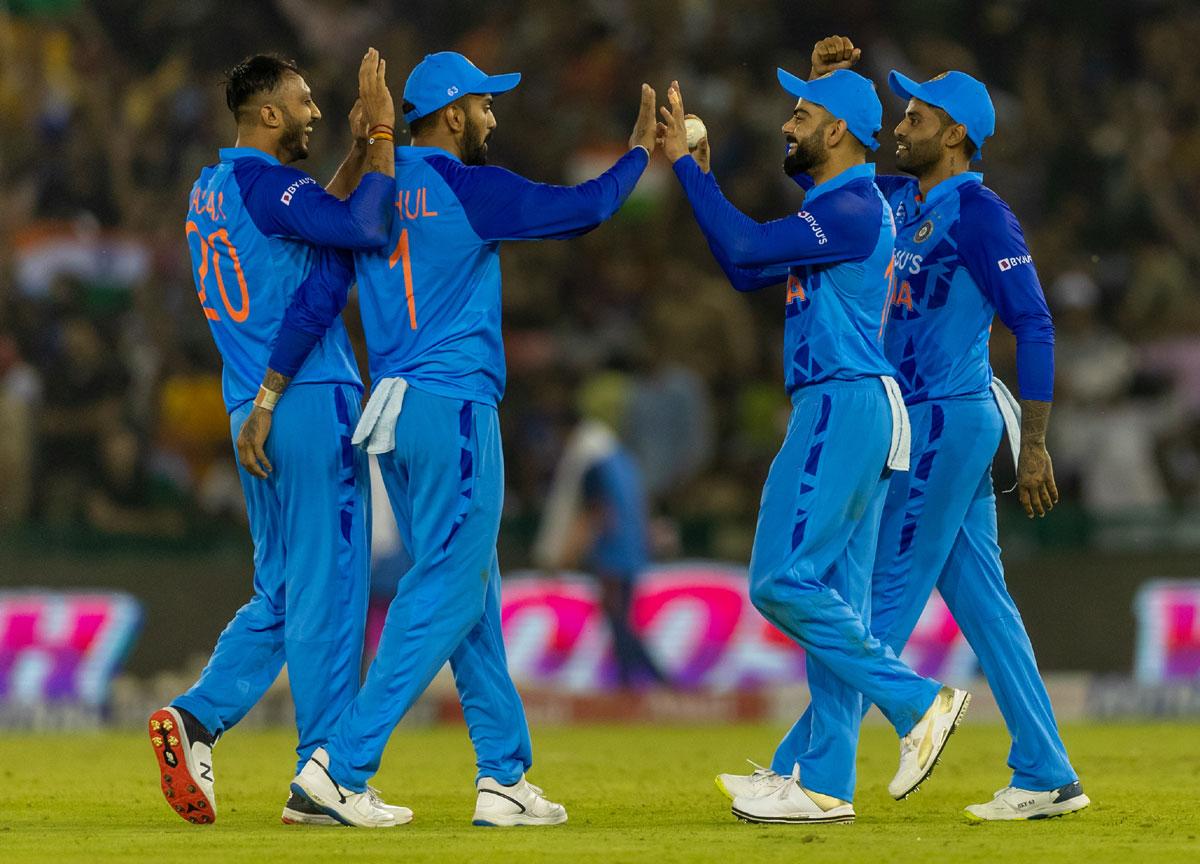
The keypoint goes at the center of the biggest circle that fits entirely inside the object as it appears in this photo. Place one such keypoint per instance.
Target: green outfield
(634, 794)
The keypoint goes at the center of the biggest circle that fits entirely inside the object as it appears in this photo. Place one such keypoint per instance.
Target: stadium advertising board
(59, 652)
(1168, 632)
(696, 619)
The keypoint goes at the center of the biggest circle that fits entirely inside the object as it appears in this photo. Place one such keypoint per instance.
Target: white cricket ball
(695, 131)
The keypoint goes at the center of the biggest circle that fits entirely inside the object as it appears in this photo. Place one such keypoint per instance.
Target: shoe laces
(762, 775)
(789, 782)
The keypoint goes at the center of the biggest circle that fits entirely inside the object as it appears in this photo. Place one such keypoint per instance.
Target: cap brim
(798, 87)
(904, 87)
(497, 83)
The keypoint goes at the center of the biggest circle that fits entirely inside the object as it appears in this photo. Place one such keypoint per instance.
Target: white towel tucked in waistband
(901, 446)
(376, 430)
(1010, 410)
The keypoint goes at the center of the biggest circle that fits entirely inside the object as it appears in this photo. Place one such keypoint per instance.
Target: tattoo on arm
(275, 382)
(349, 173)
(381, 157)
(1035, 419)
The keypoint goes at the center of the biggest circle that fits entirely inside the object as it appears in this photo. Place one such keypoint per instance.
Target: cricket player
(431, 313)
(251, 227)
(961, 260)
(819, 517)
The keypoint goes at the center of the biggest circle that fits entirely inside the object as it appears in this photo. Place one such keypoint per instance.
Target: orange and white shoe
(183, 749)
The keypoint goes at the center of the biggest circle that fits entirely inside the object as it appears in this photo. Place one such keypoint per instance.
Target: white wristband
(266, 399)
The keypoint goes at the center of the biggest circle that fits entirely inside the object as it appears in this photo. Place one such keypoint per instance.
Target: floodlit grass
(634, 793)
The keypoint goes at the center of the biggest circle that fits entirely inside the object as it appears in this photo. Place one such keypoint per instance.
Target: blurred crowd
(111, 419)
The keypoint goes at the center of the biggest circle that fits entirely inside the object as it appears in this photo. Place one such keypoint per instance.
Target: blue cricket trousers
(445, 481)
(939, 528)
(810, 572)
(310, 524)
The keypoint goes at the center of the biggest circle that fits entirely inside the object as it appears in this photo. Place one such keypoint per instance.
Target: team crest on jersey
(923, 232)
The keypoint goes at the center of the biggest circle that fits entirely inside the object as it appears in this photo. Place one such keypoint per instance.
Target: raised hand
(672, 131)
(700, 152)
(833, 53)
(378, 107)
(359, 129)
(644, 128)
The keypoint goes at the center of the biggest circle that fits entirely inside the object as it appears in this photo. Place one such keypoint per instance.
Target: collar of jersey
(950, 184)
(410, 152)
(867, 169)
(228, 154)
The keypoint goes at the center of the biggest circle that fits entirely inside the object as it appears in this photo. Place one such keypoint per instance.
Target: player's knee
(261, 613)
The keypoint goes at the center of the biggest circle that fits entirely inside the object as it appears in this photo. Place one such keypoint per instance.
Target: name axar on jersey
(960, 260)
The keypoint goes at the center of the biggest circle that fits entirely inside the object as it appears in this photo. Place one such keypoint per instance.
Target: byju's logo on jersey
(286, 197)
(1009, 263)
(815, 226)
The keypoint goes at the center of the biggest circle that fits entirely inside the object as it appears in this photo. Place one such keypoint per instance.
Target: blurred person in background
(596, 517)
(84, 399)
(20, 393)
(1108, 438)
(257, 228)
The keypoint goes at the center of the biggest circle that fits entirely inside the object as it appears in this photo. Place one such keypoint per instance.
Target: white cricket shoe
(763, 781)
(1011, 804)
(300, 811)
(792, 804)
(183, 750)
(359, 809)
(921, 748)
(519, 804)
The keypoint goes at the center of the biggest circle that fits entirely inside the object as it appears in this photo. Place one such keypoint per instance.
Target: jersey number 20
(211, 253)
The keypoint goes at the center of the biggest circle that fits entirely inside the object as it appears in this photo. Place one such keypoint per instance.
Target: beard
(920, 156)
(292, 140)
(810, 153)
(475, 143)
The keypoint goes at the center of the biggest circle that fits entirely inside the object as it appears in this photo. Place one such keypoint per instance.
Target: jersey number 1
(401, 254)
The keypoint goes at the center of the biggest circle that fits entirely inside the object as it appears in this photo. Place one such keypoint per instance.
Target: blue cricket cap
(847, 96)
(964, 98)
(441, 78)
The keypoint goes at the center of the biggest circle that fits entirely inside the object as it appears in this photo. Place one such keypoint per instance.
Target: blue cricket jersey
(251, 226)
(961, 259)
(836, 256)
(430, 301)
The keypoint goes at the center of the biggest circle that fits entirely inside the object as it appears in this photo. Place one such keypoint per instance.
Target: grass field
(633, 793)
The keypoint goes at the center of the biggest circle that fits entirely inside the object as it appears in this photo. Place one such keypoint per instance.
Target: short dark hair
(421, 125)
(261, 73)
(969, 148)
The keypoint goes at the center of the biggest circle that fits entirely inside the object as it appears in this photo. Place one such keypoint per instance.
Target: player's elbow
(742, 282)
(1033, 328)
(370, 234)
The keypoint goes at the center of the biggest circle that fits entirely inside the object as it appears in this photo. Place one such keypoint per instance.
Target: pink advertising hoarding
(697, 621)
